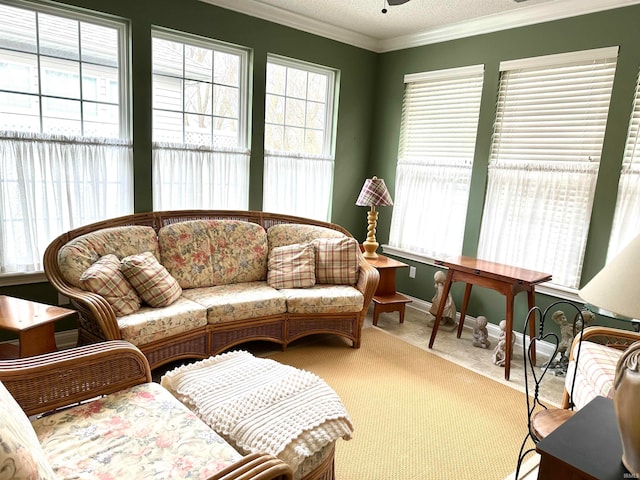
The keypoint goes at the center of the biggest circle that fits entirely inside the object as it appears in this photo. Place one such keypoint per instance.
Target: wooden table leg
(445, 292)
(38, 340)
(465, 303)
(508, 335)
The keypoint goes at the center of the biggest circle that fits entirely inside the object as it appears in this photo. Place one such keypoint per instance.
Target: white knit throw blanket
(262, 405)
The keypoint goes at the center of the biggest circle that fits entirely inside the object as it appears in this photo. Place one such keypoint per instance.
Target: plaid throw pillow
(150, 279)
(105, 278)
(336, 260)
(292, 266)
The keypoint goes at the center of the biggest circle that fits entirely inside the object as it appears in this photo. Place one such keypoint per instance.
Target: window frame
(435, 158)
(330, 121)
(579, 157)
(121, 25)
(185, 38)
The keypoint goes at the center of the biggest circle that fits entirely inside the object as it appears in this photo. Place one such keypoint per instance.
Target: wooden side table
(506, 279)
(33, 322)
(386, 299)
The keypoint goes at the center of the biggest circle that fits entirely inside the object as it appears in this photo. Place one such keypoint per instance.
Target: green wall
(610, 28)
(370, 102)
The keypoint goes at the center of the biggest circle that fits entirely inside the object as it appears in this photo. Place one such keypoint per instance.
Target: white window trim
(121, 25)
(245, 69)
(332, 93)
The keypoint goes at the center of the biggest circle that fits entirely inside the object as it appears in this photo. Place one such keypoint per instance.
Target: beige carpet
(416, 416)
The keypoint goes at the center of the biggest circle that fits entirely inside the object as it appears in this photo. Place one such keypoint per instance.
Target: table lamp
(374, 194)
(615, 289)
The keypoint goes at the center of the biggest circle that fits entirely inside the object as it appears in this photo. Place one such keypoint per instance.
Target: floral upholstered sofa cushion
(205, 253)
(290, 233)
(139, 433)
(80, 253)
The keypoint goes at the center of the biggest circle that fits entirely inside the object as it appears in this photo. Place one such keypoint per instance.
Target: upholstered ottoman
(260, 405)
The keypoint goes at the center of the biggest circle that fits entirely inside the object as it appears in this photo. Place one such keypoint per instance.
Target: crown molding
(521, 17)
(299, 22)
(493, 23)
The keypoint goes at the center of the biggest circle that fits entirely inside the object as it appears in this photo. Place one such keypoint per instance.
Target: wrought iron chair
(542, 420)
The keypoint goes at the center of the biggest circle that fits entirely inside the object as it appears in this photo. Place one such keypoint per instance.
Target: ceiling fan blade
(396, 2)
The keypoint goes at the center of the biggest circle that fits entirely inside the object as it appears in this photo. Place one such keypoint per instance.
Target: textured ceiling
(418, 22)
(366, 17)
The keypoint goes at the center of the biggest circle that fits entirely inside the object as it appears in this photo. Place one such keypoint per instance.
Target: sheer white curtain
(547, 141)
(200, 178)
(435, 157)
(537, 217)
(298, 184)
(430, 207)
(626, 222)
(51, 184)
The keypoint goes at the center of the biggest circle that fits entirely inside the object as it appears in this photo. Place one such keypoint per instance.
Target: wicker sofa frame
(97, 321)
(56, 380)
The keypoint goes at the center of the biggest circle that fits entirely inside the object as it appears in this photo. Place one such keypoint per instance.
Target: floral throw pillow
(105, 278)
(151, 280)
(336, 260)
(292, 266)
(20, 452)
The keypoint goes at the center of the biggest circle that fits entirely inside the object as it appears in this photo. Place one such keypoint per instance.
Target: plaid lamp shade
(374, 192)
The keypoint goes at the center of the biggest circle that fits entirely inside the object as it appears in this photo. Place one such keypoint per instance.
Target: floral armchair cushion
(80, 253)
(21, 456)
(140, 433)
(205, 253)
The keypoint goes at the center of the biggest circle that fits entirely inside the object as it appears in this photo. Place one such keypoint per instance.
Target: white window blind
(550, 124)
(437, 142)
(298, 138)
(626, 221)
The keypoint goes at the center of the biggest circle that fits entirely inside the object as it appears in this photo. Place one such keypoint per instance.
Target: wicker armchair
(53, 381)
(606, 338)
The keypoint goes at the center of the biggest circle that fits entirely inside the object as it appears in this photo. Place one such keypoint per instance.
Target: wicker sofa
(226, 281)
(600, 350)
(106, 419)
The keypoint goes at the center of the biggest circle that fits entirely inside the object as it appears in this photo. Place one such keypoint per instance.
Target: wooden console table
(505, 279)
(386, 298)
(585, 447)
(33, 322)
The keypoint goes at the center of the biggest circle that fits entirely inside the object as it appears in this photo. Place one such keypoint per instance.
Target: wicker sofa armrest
(46, 382)
(367, 280)
(89, 305)
(257, 466)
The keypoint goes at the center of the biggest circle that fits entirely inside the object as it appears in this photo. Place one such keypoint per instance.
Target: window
(65, 155)
(298, 138)
(547, 140)
(626, 221)
(200, 154)
(433, 175)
